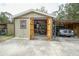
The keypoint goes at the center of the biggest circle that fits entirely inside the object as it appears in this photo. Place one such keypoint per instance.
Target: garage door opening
(40, 27)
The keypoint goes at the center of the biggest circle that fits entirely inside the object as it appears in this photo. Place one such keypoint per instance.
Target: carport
(69, 24)
(3, 27)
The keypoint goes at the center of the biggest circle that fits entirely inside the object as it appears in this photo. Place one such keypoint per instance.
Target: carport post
(54, 33)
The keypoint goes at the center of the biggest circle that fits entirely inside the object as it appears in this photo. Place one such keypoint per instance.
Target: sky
(39, 1)
(15, 8)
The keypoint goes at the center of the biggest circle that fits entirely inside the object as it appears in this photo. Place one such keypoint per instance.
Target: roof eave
(28, 11)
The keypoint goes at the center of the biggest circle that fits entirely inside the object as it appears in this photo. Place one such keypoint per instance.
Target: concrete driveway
(58, 47)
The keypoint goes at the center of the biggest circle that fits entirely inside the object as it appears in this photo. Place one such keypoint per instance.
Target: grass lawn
(5, 37)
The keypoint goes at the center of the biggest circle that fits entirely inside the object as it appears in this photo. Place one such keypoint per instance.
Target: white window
(23, 24)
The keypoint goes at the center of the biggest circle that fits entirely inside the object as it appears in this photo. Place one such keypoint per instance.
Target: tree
(3, 18)
(42, 9)
(68, 11)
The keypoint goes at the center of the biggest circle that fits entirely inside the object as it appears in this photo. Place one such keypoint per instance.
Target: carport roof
(67, 21)
(31, 10)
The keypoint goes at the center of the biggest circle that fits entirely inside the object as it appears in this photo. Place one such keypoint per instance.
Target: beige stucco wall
(22, 32)
(10, 29)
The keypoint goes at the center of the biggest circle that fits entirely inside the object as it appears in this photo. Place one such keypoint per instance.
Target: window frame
(23, 24)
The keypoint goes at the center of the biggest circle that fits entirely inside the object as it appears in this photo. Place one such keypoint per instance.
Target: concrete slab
(24, 47)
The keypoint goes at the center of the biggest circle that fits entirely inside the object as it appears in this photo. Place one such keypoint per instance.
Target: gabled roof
(31, 10)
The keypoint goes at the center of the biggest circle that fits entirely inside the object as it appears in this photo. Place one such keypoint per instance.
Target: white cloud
(38, 1)
(15, 8)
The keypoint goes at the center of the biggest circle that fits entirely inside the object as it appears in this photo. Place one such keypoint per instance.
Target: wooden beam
(49, 28)
(31, 28)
